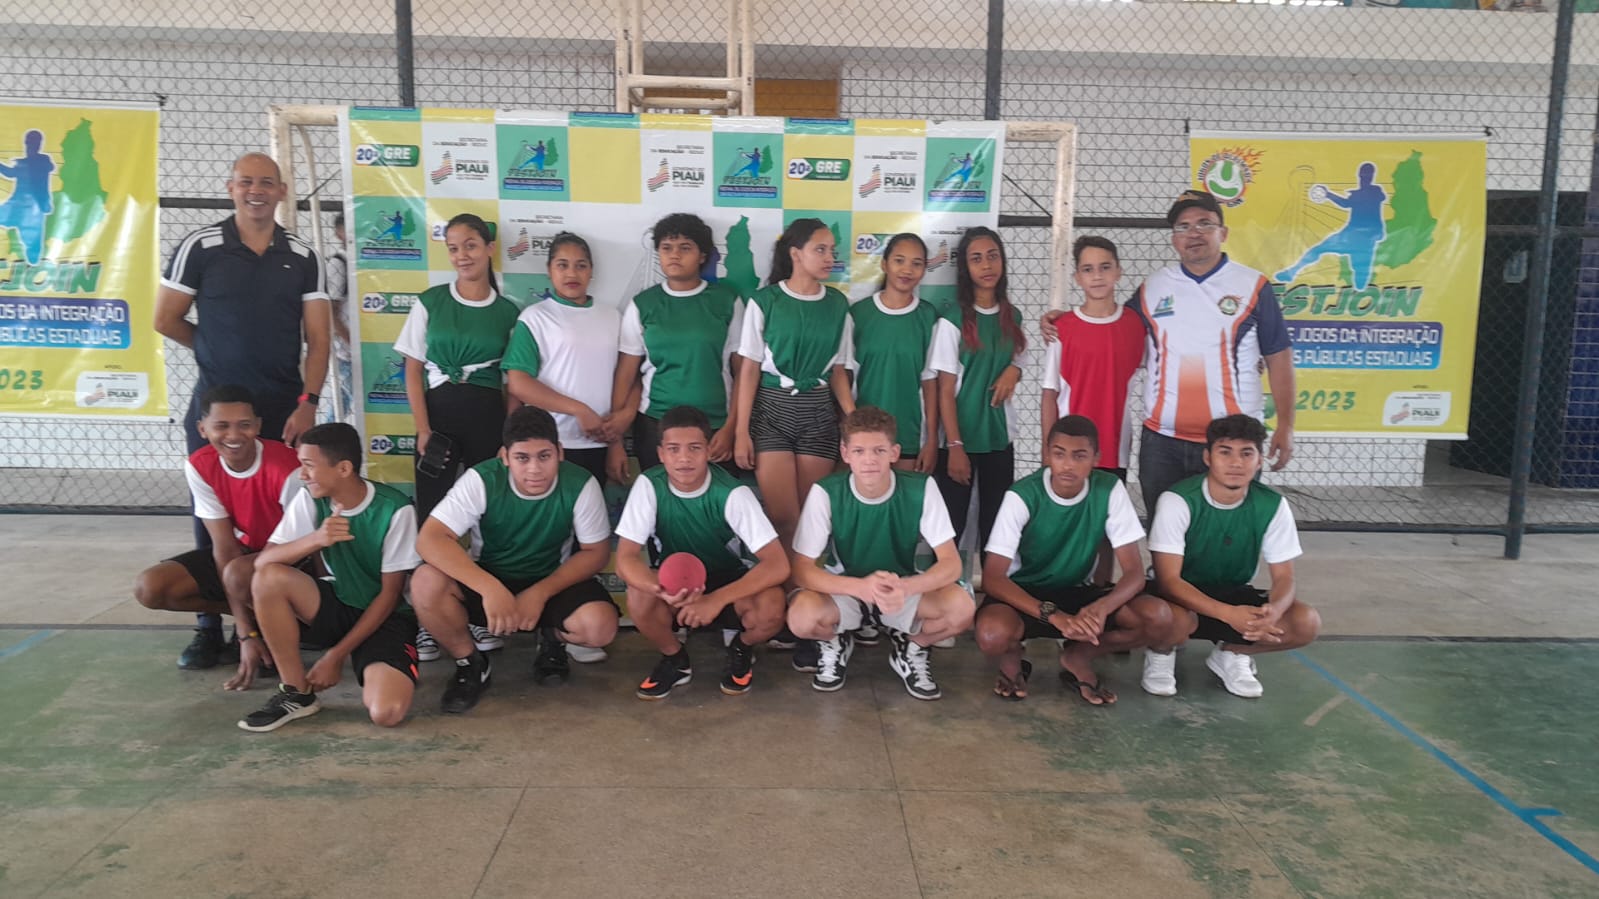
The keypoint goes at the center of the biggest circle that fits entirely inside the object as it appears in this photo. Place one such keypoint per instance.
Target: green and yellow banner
(79, 262)
(1374, 246)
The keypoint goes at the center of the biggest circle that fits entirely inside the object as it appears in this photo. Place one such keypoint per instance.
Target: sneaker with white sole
(909, 660)
(1160, 673)
(588, 655)
(282, 707)
(946, 643)
(832, 660)
(427, 648)
(1237, 672)
(868, 634)
(482, 639)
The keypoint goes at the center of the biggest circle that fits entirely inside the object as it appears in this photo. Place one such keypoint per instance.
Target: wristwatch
(311, 398)
(1045, 610)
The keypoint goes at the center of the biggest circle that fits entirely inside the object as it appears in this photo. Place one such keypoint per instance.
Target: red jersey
(252, 499)
(1091, 368)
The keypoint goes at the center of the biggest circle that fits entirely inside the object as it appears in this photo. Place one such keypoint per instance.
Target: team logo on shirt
(1228, 305)
(1163, 308)
(1227, 174)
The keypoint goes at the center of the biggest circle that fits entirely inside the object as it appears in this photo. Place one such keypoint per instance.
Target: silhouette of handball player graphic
(751, 169)
(396, 227)
(1357, 240)
(25, 210)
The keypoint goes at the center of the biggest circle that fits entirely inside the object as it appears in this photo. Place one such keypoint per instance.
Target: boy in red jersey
(240, 484)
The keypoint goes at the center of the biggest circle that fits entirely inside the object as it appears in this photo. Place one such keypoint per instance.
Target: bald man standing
(260, 295)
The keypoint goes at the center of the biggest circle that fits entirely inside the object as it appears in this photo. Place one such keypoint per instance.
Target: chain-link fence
(1136, 78)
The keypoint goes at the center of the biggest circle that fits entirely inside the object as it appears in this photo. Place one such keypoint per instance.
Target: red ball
(681, 571)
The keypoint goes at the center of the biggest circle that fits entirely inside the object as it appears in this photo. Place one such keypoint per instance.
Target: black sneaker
(466, 688)
(284, 706)
(204, 651)
(870, 631)
(910, 661)
(552, 667)
(806, 656)
(833, 659)
(784, 640)
(740, 670)
(669, 672)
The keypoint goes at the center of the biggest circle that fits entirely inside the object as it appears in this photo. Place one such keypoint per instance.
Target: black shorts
(202, 566)
(1215, 630)
(557, 609)
(1070, 600)
(727, 619)
(393, 643)
(805, 423)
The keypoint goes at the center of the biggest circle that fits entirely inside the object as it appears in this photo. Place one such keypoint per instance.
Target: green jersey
(891, 361)
(521, 538)
(868, 535)
(383, 528)
(459, 341)
(721, 523)
(984, 427)
(796, 339)
(1222, 546)
(1053, 541)
(686, 341)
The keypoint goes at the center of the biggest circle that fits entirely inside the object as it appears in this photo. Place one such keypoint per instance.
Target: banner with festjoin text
(78, 262)
(1374, 246)
(609, 177)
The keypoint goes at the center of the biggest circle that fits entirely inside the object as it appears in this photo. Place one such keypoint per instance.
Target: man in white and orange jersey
(1213, 326)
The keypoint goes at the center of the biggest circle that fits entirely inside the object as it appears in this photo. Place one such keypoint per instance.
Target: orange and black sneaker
(670, 671)
(740, 670)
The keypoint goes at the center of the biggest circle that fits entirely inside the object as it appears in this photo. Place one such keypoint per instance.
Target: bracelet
(311, 398)
(252, 635)
(955, 443)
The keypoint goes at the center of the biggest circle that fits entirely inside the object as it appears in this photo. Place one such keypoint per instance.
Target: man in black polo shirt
(257, 288)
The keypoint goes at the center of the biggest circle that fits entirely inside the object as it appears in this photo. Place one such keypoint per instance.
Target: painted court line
(1532, 817)
(25, 644)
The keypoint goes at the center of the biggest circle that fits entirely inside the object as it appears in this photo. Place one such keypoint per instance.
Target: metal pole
(1538, 296)
(996, 59)
(404, 53)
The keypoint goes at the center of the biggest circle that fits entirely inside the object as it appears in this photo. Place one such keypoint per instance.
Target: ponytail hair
(888, 250)
(794, 237)
(484, 232)
(966, 293)
(567, 238)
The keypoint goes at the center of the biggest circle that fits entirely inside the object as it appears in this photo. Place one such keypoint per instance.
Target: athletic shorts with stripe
(392, 643)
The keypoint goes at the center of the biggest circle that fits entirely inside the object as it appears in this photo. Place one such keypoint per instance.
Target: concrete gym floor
(1440, 743)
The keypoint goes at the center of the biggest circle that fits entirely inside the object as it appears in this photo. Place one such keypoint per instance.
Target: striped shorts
(805, 424)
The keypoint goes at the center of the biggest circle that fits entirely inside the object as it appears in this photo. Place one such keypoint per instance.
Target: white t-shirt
(1168, 532)
(399, 543)
(577, 358)
(816, 519)
(743, 514)
(413, 339)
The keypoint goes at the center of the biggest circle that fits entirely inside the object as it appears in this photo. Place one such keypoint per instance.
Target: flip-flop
(1014, 690)
(1070, 682)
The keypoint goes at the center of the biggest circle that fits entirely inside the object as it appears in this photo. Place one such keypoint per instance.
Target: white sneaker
(588, 655)
(1237, 672)
(483, 640)
(1160, 673)
(427, 648)
(946, 643)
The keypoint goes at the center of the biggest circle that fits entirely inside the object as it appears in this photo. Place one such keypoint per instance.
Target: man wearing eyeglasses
(1213, 326)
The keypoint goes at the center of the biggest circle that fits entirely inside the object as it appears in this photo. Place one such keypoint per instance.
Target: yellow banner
(78, 262)
(1374, 247)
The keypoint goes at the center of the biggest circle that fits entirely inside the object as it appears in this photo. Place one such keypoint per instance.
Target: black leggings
(472, 416)
(992, 474)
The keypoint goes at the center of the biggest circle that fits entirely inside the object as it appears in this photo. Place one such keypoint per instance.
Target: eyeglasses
(1201, 227)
